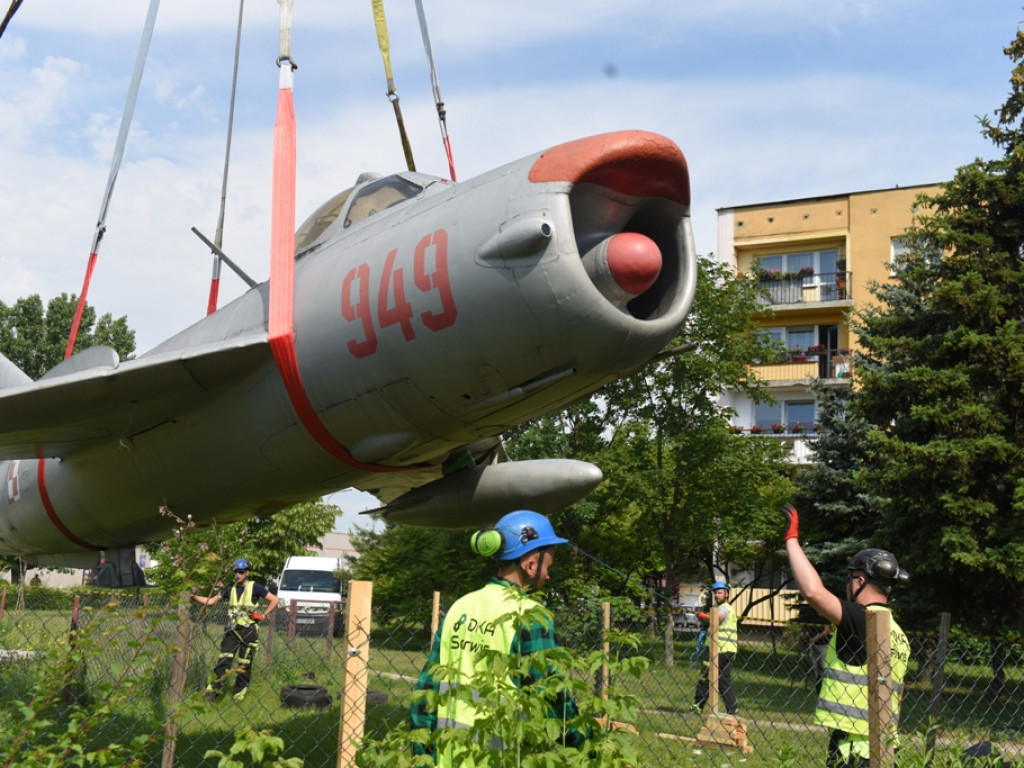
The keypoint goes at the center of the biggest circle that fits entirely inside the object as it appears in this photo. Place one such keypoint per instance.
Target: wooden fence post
(176, 690)
(353, 694)
(713, 660)
(881, 726)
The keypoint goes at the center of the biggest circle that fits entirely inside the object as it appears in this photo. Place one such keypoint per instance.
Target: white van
(312, 584)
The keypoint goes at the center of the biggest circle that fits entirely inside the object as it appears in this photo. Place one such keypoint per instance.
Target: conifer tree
(942, 380)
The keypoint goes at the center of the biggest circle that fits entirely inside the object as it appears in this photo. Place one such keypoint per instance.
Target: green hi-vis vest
(470, 626)
(241, 605)
(843, 700)
(727, 636)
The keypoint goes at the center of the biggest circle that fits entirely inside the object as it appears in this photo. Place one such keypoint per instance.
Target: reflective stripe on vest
(240, 606)
(727, 636)
(476, 622)
(843, 700)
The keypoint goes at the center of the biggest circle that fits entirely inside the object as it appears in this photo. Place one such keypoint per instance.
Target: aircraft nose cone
(634, 261)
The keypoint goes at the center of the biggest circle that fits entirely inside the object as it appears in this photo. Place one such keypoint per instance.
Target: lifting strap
(441, 114)
(281, 314)
(115, 166)
(385, 51)
(218, 235)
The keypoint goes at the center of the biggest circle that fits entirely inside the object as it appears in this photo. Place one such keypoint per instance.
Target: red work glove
(703, 616)
(256, 616)
(791, 527)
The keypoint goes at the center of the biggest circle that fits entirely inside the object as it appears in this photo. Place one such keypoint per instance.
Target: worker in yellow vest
(727, 647)
(503, 616)
(238, 646)
(843, 698)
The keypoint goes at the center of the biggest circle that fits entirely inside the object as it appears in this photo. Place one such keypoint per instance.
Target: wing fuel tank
(475, 497)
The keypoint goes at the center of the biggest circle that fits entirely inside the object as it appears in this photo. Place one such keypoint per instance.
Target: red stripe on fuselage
(44, 495)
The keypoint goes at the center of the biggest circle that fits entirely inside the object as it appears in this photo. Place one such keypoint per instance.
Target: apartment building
(815, 258)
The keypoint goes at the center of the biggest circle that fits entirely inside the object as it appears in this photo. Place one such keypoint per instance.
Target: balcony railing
(813, 363)
(823, 286)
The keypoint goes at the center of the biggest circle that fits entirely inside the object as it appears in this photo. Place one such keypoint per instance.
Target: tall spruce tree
(942, 379)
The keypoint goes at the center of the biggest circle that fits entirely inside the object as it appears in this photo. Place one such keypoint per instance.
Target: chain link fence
(144, 657)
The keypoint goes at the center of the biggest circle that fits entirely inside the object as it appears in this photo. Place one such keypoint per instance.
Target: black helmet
(881, 568)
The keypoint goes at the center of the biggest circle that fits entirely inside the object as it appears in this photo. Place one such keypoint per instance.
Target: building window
(900, 248)
(819, 262)
(788, 413)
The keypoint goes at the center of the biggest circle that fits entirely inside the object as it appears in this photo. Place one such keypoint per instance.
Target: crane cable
(15, 5)
(218, 237)
(385, 52)
(441, 113)
(115, 166)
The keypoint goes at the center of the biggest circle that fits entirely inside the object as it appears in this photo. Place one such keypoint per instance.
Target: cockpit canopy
(372, 194)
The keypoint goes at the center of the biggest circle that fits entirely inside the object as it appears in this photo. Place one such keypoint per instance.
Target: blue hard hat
(720, 585)
(241, 564)
(522, 532)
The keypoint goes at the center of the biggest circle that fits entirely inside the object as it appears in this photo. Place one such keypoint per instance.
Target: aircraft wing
(65, 413)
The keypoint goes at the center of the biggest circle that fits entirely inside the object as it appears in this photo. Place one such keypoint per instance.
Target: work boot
(240, 695)
(212, 694)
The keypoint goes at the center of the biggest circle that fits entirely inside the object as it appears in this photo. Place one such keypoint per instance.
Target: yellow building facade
(815, 258)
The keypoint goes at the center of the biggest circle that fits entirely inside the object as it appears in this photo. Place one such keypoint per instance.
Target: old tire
(299, 696)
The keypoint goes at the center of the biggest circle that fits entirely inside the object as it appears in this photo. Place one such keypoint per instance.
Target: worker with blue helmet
(523, 544)
(727, 647)
(240, 641)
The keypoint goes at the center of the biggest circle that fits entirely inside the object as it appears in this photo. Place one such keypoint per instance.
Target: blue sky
(767, 100)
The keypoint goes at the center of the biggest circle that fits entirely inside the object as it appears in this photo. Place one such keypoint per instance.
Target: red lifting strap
(282, 272)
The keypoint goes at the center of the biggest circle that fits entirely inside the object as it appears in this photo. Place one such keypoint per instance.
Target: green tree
(35, 340)
(942, 374)
(266, 542)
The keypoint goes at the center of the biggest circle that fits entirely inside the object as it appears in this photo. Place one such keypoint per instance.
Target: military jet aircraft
(428, 318)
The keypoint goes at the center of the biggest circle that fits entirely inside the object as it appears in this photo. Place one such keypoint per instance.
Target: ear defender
(487, 542)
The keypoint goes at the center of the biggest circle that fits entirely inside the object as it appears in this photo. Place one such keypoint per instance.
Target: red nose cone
(634, 261)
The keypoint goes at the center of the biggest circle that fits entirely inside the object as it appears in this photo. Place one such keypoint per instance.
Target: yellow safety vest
(241, 605)
(470, 626)
(727, 635)
(843, 700)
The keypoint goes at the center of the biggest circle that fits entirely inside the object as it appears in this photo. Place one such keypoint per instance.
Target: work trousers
(700, 696)
(237, 649)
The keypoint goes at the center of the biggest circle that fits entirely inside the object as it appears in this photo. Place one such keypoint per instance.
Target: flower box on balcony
(778, 429)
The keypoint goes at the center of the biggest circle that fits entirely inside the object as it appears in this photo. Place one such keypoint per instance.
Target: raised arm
(807, 578)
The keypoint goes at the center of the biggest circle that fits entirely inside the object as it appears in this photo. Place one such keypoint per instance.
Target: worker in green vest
(503, 616)
(727, 647)
(843, 698)
(238, 646)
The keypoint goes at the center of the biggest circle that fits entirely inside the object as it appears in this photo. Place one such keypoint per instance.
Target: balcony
(786, 288)
(799, 443)
(814, 363)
